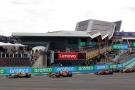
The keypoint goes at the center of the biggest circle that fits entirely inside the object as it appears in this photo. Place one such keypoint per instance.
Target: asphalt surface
(117, 81)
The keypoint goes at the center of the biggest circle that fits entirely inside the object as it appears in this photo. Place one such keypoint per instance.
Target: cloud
(25, 2)
(132, 9)
(53, 15)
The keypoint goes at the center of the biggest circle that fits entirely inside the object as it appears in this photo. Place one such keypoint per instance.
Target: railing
(9, 55)
(94, 53)
(20, 59)
(125, 58)
(10, 62)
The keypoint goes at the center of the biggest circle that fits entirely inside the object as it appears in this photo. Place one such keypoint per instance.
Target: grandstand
(17, 55)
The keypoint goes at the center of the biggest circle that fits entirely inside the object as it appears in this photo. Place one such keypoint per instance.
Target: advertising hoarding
(120, 46)
(42, 70)
(2, 70)
(67, 56)
(70, 56)
(10, 70)
(58, 69)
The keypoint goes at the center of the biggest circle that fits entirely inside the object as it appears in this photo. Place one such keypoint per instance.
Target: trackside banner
(102, 67)
(2, 70)
(10, 70)
(120, 46)
(74, 69)
(42, 70)
(86, 69)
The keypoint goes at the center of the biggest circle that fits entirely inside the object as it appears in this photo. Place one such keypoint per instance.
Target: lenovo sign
(68, 56)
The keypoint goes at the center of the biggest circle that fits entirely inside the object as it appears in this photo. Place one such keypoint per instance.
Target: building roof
(129, 38)
(104, 27)
(104, 36)
(130, 34)
(55, 34)
(63, 34)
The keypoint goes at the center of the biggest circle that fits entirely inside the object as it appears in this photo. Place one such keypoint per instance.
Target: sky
(40, 16)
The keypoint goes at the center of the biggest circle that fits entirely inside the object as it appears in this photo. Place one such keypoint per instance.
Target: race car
(60, 74)
(117, 70)
(104, 72)
(19, 75)
(129, 70)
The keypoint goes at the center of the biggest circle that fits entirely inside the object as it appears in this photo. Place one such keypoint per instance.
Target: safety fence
(75, 69)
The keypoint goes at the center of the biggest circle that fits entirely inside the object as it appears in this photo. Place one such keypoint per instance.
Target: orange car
(129, 70)
(61, 74)
(104, 72)
(19, 75)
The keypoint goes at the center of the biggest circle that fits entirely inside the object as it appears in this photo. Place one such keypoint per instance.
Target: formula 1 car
(19, 75)
(104, 72)
(117, 70)
(129, 70)
(60, 74)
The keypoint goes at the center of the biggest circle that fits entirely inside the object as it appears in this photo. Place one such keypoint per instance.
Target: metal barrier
(19, 55)
(94, 53)
(75, 69)
(36, 71)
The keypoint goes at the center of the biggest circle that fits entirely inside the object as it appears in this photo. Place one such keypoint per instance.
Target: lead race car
(104, 72)
(60, 74)
(129, 70)
(19, 75)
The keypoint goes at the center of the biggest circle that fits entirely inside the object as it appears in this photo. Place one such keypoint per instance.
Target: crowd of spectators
(12, 55)
(12, 52)
(20, 52)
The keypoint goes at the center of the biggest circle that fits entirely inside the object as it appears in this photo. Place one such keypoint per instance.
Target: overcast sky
(53, 15)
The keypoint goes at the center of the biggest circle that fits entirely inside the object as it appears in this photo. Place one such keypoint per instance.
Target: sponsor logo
(17, 70)
(67, 56)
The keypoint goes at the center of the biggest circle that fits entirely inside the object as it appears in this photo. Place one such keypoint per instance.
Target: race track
(117, 81)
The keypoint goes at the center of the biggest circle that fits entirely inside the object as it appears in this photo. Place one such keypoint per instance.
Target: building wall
(82, 26)
(56, 43)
